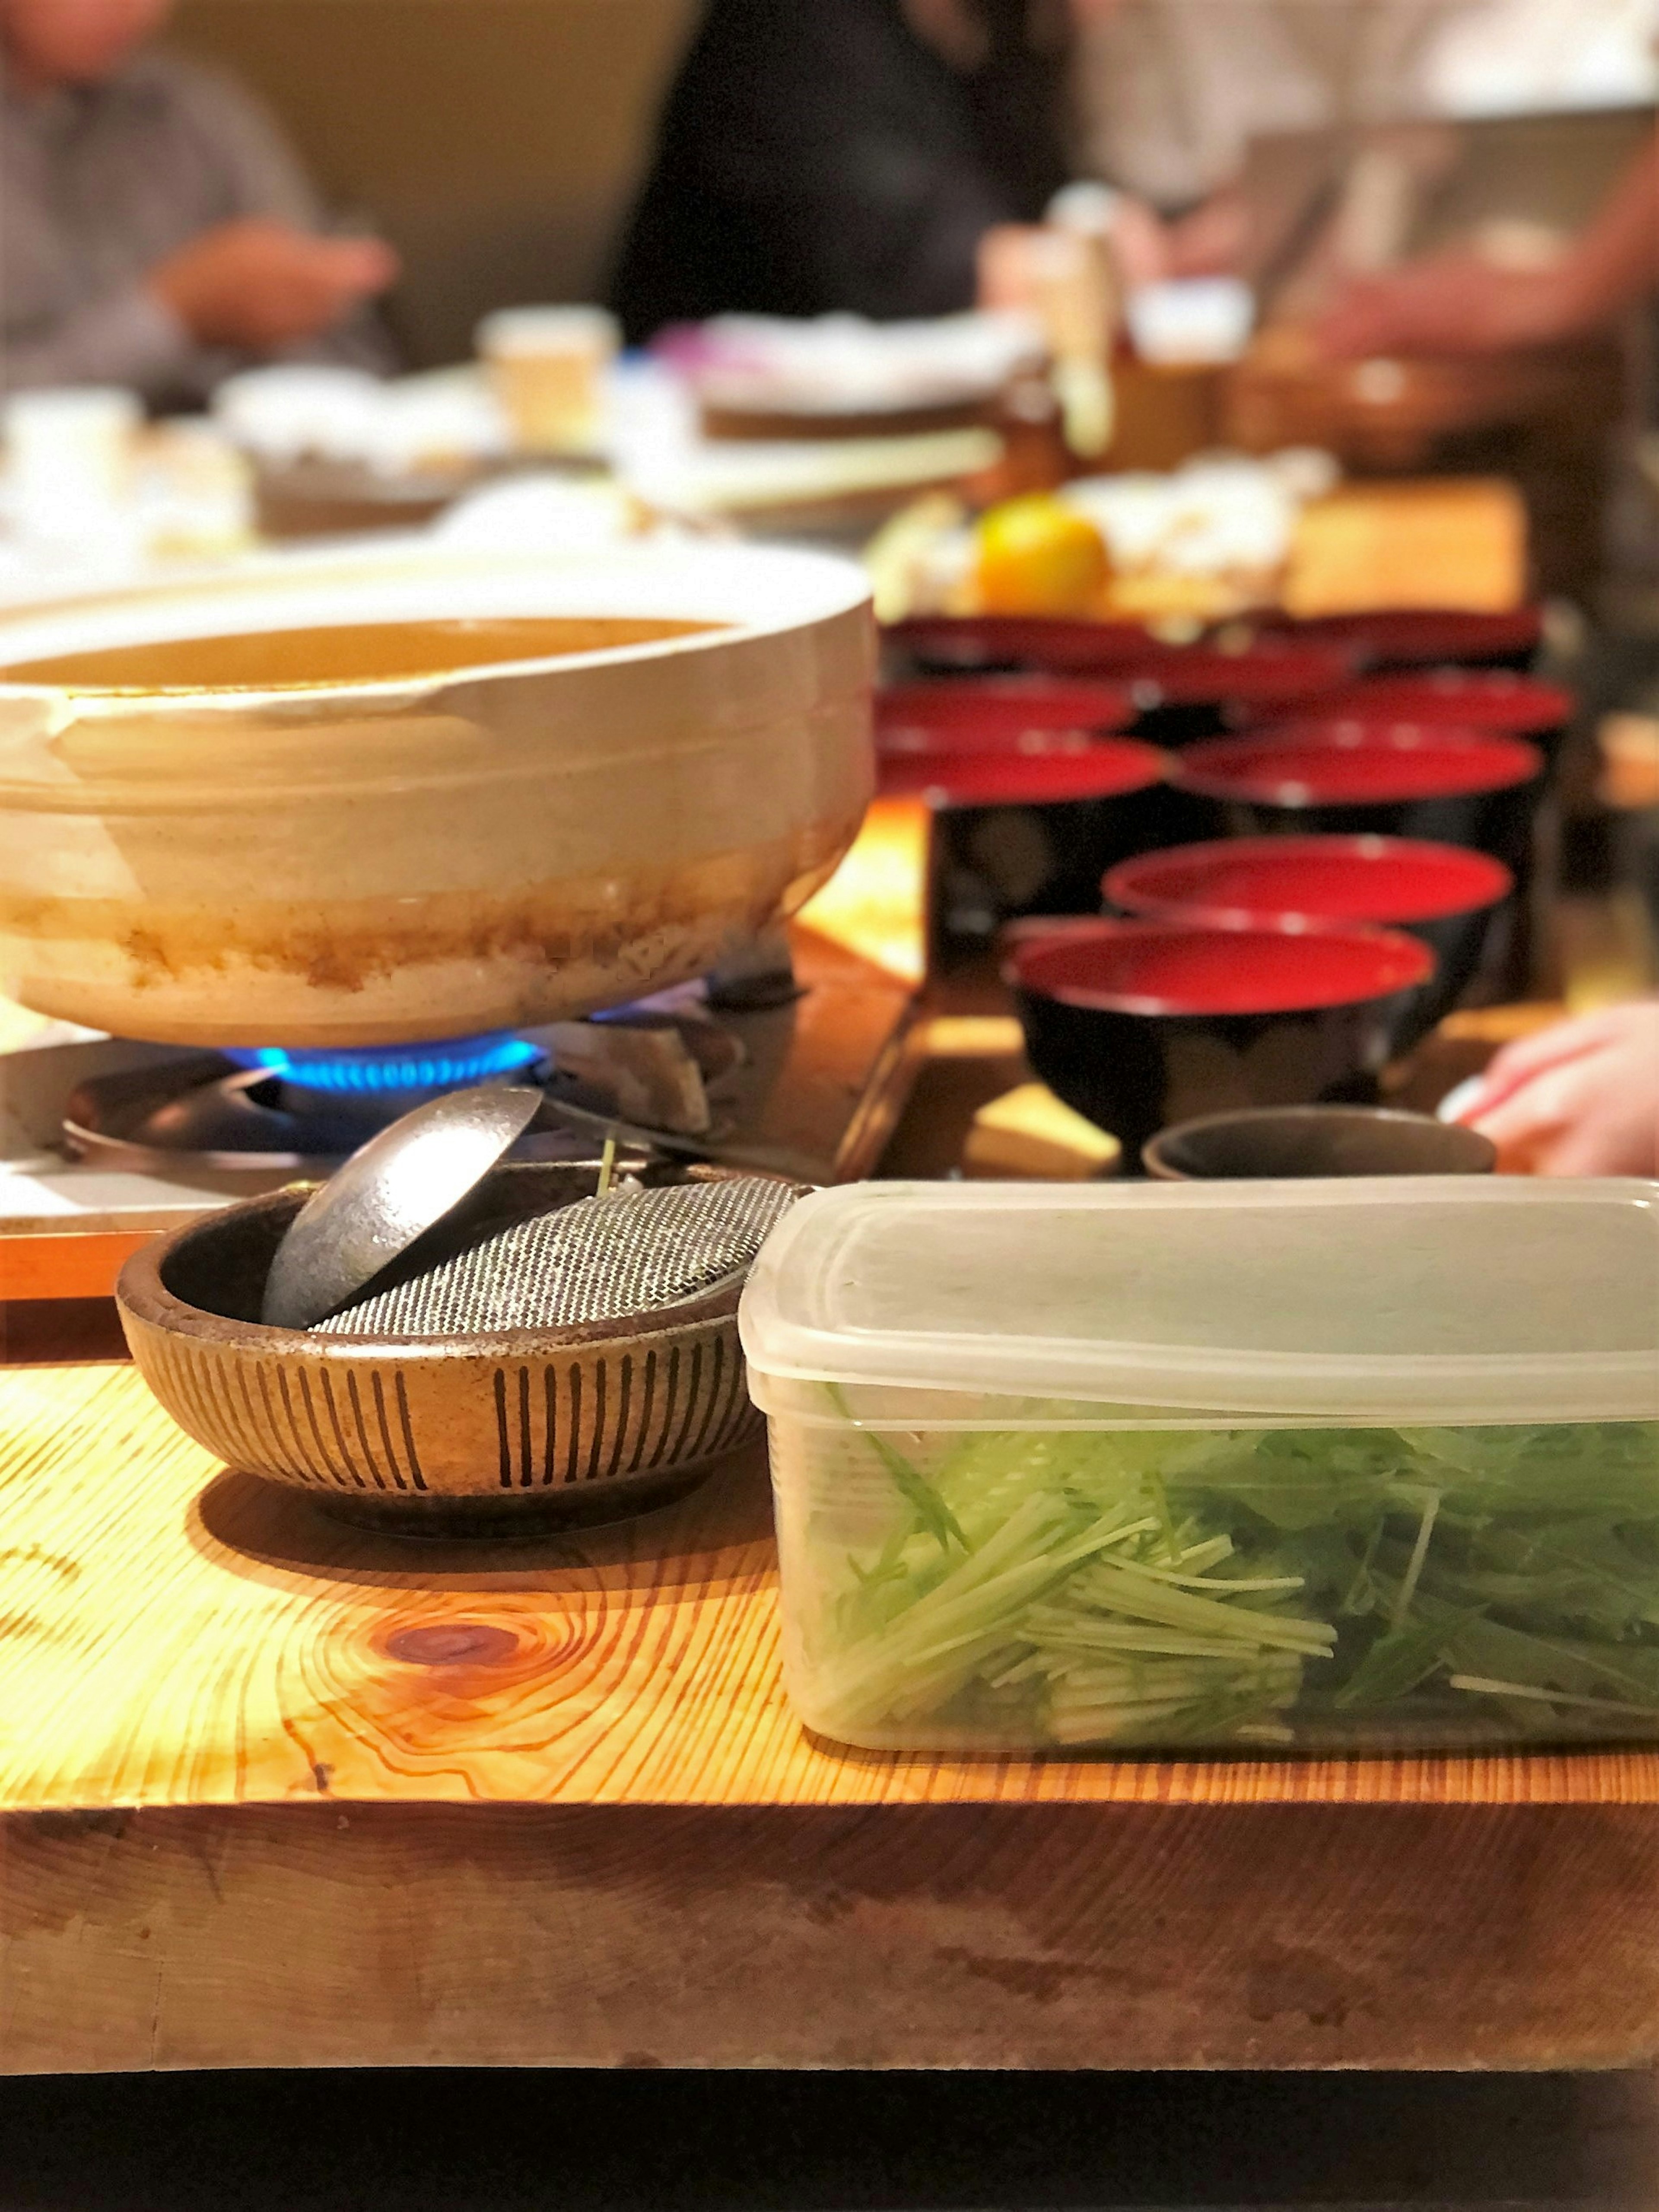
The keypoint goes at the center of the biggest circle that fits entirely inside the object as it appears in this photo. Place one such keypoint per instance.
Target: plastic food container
(1323, 1467)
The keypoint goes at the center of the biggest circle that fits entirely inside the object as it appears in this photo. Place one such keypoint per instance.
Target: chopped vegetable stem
(1402, 1604)
(1139, 1589)
(1474, 1682)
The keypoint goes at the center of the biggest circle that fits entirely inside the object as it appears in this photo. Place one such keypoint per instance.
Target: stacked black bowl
(1315, 830)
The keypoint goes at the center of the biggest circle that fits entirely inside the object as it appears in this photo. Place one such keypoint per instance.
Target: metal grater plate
(602, 1258)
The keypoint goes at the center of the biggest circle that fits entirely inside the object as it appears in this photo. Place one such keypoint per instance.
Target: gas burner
(207, 1113)
(269, 1111)
(411, 1071)
(649, 1073)
(104, 1140)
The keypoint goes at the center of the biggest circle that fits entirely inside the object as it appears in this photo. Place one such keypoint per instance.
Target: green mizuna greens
(1291, 1588)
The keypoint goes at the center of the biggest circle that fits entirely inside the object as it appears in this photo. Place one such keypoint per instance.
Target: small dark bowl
(1428, 637)
(991, 711)
(1446, 895)
(1022, 832)
(1137, 1023)
(1280, 1143)
(1187, 692)
(966, 644)
(1442, 786)
(1491, 701)
(1013, 774)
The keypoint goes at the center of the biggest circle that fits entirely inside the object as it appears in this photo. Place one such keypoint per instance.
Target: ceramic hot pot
(275, 853)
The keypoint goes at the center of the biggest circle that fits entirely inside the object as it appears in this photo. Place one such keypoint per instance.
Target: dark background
(451, 2142)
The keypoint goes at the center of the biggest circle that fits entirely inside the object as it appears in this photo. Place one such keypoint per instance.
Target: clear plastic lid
(1383, 1301)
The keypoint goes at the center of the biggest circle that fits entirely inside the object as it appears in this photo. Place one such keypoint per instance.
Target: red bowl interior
(1491, 699)
(1426, 636)
(1045, 641)
(919, 717)
(1355, 764)
(1160, 967)
(1270, 667)
(980, 777)
(1268, 881)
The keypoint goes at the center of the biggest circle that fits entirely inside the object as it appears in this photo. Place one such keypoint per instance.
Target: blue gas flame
(376, 1072)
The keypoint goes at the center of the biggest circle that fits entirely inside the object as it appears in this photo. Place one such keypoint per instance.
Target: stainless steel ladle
(402, 1183)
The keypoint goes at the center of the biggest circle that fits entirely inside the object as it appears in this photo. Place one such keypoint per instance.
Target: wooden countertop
(278, 1792)
(632, 1665)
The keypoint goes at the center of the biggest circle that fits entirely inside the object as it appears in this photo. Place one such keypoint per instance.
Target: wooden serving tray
(274, 1792)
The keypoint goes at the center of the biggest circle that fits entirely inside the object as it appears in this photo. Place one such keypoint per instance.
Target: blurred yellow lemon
(1039, 556)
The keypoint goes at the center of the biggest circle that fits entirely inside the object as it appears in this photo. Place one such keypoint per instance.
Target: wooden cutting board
(1460, 541)
(274, 1792)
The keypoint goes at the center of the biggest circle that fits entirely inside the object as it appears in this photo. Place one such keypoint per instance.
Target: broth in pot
(344, 652)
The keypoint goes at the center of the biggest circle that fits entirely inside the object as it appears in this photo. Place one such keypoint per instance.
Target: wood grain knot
(453, 1643)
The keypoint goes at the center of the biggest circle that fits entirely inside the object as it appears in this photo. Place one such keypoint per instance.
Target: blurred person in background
(1581, 1098)
(1171, 93)
(1460, 303)
(155, 230)
(816, 156)
(1510, 57)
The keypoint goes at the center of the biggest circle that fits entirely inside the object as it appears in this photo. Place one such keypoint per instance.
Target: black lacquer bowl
(1136, 1024)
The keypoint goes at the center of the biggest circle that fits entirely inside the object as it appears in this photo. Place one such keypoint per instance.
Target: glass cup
(549, 367)
(69, 456)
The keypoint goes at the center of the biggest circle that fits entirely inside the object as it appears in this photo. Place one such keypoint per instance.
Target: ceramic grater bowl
(497, 1432)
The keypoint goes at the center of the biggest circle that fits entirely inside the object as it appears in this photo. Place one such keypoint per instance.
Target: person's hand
(1579, 1099)
(1016, 260)
(260, 286)
(1450, 304)
(1009, 256)
(1141, 244)
(1212, 240)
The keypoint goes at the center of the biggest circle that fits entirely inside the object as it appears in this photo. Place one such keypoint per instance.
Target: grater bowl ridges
(505, 1431)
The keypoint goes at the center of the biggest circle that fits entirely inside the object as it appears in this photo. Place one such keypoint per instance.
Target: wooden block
(276, 1792)
(1028, 1132)
(876, 904)
(1498, 1025)
(1110, 1936)
(971, 1036)
(76, 1264)
(1456, 542)
(1165, 413)
(1629, 745)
